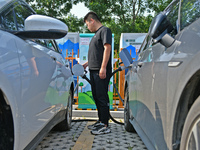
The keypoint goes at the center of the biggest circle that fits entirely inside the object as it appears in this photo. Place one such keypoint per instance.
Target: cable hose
(115, 121)
(80, 120)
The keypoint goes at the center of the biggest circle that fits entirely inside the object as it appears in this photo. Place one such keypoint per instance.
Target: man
(99, 63)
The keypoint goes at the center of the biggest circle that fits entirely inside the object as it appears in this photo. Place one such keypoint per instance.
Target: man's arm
(106, 56)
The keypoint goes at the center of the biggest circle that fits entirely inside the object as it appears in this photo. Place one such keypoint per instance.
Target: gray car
(36, 84)
(162, 88)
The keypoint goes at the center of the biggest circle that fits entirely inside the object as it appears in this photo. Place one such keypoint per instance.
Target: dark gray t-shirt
(96, 48)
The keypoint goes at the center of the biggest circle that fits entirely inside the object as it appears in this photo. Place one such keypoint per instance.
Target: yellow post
(121, 85)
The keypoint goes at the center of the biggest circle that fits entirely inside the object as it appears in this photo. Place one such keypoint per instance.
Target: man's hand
(102, 73)
(85, 65)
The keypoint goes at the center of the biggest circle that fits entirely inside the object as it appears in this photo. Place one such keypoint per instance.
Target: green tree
(60, 10)
(74, 24)
(125, 16)
(53, 8)
(121, 16)
(81, 85)
(157, 5)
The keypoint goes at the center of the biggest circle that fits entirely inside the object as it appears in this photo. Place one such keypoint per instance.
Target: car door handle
(136, 65)
(140, 63)
(54, 58)
(135, 69)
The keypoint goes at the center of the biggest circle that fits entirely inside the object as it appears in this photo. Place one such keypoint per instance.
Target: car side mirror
(43, 27)
(159, 29)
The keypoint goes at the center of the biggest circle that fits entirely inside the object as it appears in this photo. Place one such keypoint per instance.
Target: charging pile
(126, 58)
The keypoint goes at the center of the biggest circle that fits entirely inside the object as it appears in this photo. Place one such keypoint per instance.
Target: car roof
(4, 2)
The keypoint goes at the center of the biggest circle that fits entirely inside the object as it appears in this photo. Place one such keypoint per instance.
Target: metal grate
(118, 139)
(62, 140)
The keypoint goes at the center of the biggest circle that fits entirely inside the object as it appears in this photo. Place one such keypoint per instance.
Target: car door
(135, 84)
(38, 75)
(63, 80)
(39, 72)
(150, 82)
(152, 72)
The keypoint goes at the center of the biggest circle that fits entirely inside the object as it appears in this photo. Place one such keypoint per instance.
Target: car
(36, 83)
(162, 88)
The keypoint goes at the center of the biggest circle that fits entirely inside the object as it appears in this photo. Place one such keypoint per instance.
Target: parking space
(79, 138)
(62, 140)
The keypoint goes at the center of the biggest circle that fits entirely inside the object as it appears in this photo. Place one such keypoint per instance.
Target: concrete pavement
(79, 137)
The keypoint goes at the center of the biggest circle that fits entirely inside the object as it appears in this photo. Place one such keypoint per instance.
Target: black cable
(118, 93)
(79, 120)
(85, 77)
(115, 121)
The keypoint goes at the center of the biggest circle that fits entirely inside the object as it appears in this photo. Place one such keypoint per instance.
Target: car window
(148, 41)
(190, 11)
(7, 20)
(52, 45)
(22, 11)
(48, 43)
(172, 16)
(13, 17)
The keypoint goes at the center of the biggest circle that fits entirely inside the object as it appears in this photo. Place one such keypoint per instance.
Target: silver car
(162, 88)
(36, 85)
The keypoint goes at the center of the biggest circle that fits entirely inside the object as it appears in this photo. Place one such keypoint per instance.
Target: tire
(191, 130)
(127, 125)
(66, 124)
(6, 128)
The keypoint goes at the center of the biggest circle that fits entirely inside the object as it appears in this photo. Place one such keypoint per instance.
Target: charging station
(85, 99)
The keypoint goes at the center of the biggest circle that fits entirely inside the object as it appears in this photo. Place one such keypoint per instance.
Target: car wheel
(191, 130)
(6, 128)
(127, 125)
(66, 124)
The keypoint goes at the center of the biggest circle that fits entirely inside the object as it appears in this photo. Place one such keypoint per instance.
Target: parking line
(85, 140)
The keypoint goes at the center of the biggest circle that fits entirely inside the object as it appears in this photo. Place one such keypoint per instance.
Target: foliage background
(121, 16)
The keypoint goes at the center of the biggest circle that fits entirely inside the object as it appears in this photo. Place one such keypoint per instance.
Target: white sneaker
(93, 126)
(100, 129)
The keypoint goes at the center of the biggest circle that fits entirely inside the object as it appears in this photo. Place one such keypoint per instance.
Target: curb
(93, 113)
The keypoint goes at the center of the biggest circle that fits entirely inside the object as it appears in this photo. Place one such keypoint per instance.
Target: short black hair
(92, 15)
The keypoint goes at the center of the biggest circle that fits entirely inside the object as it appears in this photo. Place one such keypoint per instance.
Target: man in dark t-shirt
(99, 63)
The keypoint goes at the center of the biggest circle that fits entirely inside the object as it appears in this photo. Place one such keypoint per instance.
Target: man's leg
(102, 98)
(93, 126)
(93, 75)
